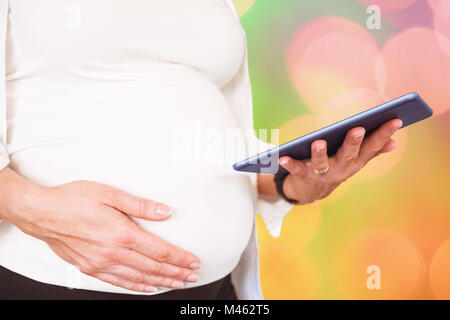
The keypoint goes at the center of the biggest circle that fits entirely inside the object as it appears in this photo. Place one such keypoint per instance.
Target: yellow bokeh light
(317, 84)
(338, 193)
(388, 255)
(347, 104)
(300, 227)
(298, 127)
(286, 273)
(242, 6)
(439, 275)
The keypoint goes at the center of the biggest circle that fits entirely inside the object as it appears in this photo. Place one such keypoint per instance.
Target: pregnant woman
(90, 197)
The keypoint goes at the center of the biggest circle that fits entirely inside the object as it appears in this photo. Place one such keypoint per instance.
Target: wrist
(17, 195)
(282, 183)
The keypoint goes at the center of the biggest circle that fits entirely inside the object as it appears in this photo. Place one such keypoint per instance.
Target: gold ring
(321, 172)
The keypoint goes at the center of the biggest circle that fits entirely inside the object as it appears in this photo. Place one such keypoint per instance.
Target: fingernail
(320, 149)
(357, 137)
(192, 277)
(150, 289)
(194, 266)
(163, 210)
(398, 125)
(177, 285)
(284, 162)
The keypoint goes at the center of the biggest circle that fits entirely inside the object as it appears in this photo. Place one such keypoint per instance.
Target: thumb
(136, 206)
(295, 167)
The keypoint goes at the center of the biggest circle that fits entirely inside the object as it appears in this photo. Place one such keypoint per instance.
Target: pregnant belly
(128, 142)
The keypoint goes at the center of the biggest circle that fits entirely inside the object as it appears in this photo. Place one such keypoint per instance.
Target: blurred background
(315, 62)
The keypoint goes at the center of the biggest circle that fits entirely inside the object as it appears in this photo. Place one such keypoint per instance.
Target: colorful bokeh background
(315, 62)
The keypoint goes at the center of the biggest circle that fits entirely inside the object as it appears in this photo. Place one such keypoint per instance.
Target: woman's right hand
(87, 224)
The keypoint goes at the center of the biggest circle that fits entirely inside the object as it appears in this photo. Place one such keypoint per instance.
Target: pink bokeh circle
(439, 274)
(399, 262)
(413, 61)
(388, 5)
(242, 6)
(442, 22)
(329, 56)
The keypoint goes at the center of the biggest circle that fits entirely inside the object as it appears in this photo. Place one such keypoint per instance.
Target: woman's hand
(305, 184)
(87, 224)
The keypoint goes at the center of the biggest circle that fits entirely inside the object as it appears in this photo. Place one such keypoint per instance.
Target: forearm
(16, 193)
(266, 186)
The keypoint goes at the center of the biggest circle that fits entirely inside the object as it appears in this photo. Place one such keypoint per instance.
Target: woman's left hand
(306, 184)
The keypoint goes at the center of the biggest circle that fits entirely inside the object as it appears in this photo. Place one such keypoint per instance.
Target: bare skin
(306, 186)
(88, 224)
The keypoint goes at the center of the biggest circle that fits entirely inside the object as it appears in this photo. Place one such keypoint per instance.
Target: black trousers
(13, 286)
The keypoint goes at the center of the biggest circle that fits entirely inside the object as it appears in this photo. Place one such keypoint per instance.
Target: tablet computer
(410, 108)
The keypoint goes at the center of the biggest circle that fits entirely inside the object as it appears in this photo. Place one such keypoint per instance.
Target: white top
(145, 96)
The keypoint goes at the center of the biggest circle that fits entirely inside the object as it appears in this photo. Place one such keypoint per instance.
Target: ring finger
(319, 157)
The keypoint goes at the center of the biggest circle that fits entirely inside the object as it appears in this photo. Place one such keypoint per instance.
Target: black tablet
(410, 108)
